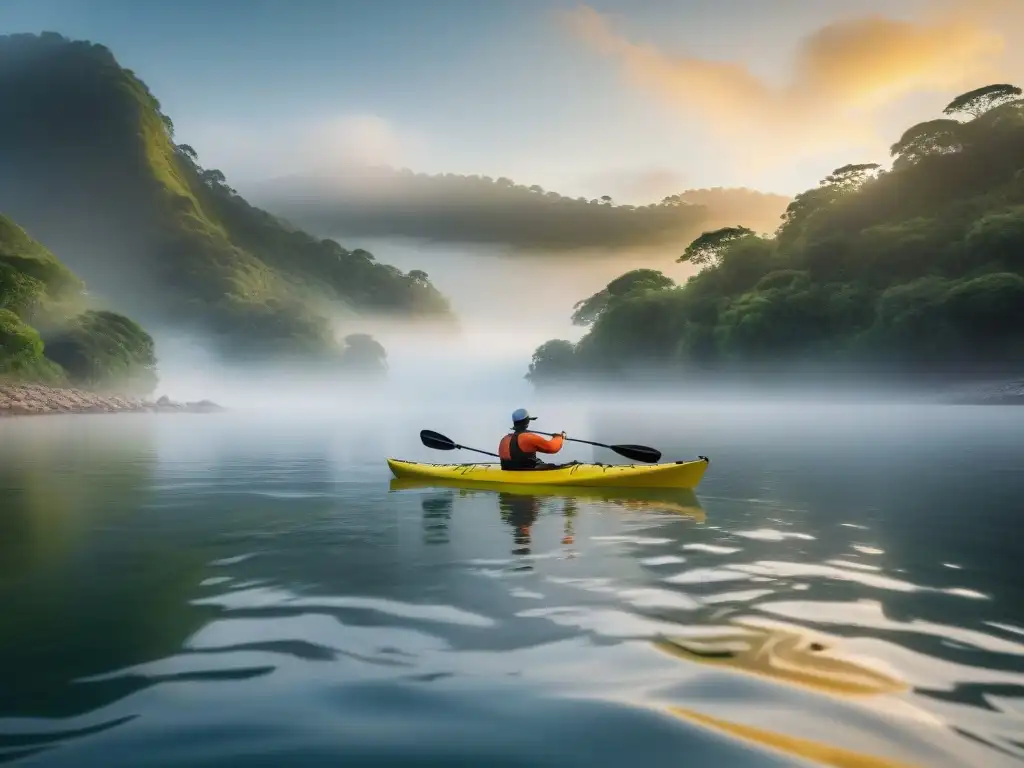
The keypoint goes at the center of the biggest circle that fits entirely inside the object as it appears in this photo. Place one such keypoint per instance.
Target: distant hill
(383, 201)
(88, 164)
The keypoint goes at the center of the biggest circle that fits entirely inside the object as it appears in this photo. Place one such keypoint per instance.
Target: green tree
(784, 322)
(20, 345)
(552, 362)
(998, 238)
(851, 177)
(585, 312)
(641, 329)
(19, 292)
(934, 137)
(107, 351)
(979, 101)
(188, 151)
(708, 248)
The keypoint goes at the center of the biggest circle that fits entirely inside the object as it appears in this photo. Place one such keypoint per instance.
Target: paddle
(635, 452)
(441, 443)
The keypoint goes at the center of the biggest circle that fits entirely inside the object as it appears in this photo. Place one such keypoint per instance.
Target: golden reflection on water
(791, 657)
(803, 659)
(53, 485)
(76, 604)
(816, 751)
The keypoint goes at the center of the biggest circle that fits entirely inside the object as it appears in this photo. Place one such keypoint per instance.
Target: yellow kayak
(681, 474)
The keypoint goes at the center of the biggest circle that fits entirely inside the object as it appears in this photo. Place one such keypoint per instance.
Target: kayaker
(519, 449)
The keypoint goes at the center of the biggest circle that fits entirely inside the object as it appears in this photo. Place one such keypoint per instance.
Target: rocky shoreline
(40, 400)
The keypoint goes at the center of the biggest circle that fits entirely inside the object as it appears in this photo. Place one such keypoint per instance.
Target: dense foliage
(88, 163)
(381, 201)
(99, 350)
(32, 280)
(104, 350)
(916, 270)
(21, 351)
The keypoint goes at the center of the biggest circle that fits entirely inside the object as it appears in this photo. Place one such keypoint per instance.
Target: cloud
(246, 152)
(841, 76)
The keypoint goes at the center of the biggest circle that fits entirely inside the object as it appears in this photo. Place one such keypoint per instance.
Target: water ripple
(870, 614)
(270, 599)
(265, 597)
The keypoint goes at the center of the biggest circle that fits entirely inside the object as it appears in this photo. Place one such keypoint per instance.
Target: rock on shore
(36, 400)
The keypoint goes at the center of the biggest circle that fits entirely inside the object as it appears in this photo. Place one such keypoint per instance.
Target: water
(245, 589)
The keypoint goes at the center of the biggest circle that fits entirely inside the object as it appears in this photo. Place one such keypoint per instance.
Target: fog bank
(506, 307)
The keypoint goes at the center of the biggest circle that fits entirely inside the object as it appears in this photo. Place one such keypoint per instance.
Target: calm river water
(844, 589)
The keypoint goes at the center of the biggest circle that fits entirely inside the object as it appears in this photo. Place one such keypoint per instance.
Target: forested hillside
(382, 201)
(47, 335)
(913, 271)
(89, 165)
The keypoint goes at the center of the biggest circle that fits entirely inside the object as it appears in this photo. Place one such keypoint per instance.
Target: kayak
(681, 474)
(682, 501)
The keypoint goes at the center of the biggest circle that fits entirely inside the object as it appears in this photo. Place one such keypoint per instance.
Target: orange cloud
(842, 74)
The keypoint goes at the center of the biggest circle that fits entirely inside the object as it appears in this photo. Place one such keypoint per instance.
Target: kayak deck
(681, 474)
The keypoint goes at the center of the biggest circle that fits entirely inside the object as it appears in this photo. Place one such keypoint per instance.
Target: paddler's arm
(530, 441)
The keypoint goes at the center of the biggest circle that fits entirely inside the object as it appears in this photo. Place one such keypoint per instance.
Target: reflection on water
(520, 512)
(187, 592)
(784, 655)
(520, 506)
(437, 512)
(715, 631)
(807, 749)
(680, 500)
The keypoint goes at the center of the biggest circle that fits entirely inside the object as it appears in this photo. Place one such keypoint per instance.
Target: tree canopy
(553, 361)
(979, 101)
(708, 248)
(914, 271)
(589, 310)
(98, 350)
(104, 350)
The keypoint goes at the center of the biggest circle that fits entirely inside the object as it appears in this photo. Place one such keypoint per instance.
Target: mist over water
(426, 371)
(507, 304)
(530, 290)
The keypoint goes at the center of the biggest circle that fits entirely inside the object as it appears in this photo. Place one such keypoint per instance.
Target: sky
(637, 99)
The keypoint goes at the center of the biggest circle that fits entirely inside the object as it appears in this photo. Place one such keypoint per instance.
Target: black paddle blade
(436, 440)
(638, 453)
